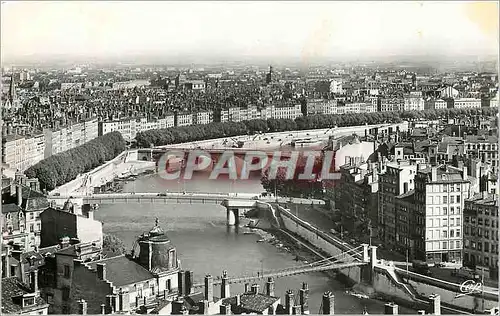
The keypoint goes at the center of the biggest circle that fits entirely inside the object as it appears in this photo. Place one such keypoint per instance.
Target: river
(206, 245)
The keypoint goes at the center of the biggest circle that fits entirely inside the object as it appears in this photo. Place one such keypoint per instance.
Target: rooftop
(122, 271)
(12, 288)
(251, 302)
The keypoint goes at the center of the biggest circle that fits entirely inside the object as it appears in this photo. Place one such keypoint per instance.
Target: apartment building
(435, 104)
(467, 103)
(481, 233)
(321, 106)
(287, 112)
(389, 104)
(184, 119)
(439, 198)
(483, 147)
(414, 102)
(19, 152)
(397, 180)
(68, 137)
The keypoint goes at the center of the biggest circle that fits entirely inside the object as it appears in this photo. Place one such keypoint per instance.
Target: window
(32, 229)
(451, 221)
(486, 247)
(445, 199)
(457, 220)
(445, 211)
(29, 301)
(458, 209)
(452, 199)
(32, 215)
(21, 228)
(458, 198)
(452, 233)
(38, 227)
(457, 233)
(457, 243)
(445, 234)
(452, 210)
(169, 285)
(445, 222)
(445, 245)
(65, 294)
(486, 222)
(66, 271)
(50, 298)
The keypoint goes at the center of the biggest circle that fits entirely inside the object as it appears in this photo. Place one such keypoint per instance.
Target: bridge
(233, 202)
(326, 264)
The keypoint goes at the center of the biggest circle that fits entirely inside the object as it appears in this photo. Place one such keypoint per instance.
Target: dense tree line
(175, 135)
(61, 168)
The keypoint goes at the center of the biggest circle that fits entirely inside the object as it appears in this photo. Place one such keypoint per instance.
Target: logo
(238, 165)
(469, 287)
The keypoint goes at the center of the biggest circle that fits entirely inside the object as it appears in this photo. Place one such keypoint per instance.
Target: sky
(303, 30)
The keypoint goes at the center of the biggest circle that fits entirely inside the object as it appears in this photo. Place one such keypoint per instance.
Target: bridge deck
(286, 272)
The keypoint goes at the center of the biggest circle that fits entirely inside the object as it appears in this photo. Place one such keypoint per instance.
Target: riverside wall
(389, 282)
(105, 173)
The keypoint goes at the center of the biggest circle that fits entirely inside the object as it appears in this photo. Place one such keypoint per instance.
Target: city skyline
(289, 30)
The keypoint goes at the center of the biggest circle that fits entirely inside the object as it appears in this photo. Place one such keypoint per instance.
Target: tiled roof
(253, 302)
(123, 271)
(13, 288)
(10, 208)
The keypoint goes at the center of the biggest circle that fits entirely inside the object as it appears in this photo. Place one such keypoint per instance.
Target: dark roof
(253, 302)
(123, 271)
(10, 208)
(12, 288)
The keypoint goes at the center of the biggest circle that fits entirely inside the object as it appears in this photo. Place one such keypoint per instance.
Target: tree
(112, 246)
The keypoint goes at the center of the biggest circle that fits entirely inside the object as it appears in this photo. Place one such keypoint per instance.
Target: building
(64, 138)
(467, 103)
(481, 234)
(397, 180)
(483, 147)
(205, 117)
(439, 198)
(195, 85)
(70, 222)
(435, 104)
(120, 284)
(183, 119)
(19, 298)
(413, 102)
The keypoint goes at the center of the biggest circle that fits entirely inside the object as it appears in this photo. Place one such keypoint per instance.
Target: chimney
(19, 194)
(328, 304)
(297, 310)
(188, 284)
(34, 280)
(255, 289)
(436, 303)
(209, 288)
(124, 300)
(82, 307)
(433, 173)
(103, 309)
(225, 309)
(270, 286)
(303, 298)
(238, 300)
(391, 309)
(247, 287)
(224, 289)
(181, 280)
(464, 173)
(288, 302)
(64, 242)
(109, 304)
(203, 307)
(101, 271)
(177, 307)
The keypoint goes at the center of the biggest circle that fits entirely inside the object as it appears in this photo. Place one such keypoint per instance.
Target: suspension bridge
(331, 263)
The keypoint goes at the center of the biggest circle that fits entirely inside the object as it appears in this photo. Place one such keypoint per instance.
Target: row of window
(439, 234)
(435, 245)
(438, 222)
(481, 146)
(480, 246)
(480, 221)
(473, 231)
(452, 187)
(438, 211)
(444, 200)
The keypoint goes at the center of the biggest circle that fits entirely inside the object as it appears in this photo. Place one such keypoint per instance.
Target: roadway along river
(206, 245)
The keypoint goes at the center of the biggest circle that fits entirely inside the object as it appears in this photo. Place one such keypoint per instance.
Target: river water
(206, 245)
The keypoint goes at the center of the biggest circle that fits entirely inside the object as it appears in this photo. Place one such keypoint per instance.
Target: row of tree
(61, 168)
(175, 135)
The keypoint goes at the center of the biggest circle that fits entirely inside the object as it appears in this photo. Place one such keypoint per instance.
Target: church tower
(12, 93)
(269, 76)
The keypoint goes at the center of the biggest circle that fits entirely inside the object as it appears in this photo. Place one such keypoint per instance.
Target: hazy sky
(290, 29)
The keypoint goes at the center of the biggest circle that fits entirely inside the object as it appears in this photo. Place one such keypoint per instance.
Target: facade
(184, 119)
(70, 222)
(388, 104)
(481, 233)
(117, 284)
(435, 104)
(396, 181)
(440, 193)
(414, 102)
(205, 117)
(484, 147)
(467, 103)
(71, 136)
